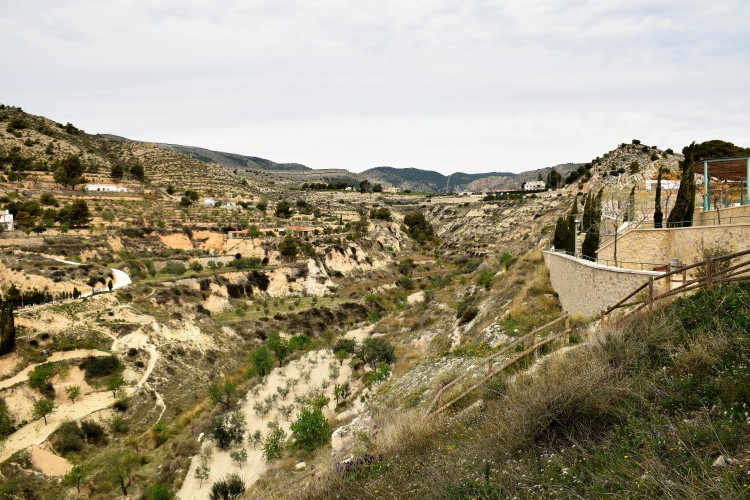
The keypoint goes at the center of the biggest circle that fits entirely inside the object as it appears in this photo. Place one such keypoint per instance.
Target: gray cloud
(470, 85)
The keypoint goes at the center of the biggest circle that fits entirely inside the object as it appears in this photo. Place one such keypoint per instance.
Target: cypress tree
(7, 328)
(631, 204)
(591, 241)
(559, 239)
(570, 229)
(588, 206)
(682, 212)
(592, 212)
(658, 215)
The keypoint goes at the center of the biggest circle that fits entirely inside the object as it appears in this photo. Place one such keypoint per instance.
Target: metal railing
(643, 266)
(529, 342)
(713, 221)
(714, 271)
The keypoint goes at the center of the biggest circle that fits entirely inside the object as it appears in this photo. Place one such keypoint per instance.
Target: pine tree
(7, 328)
(658, 215)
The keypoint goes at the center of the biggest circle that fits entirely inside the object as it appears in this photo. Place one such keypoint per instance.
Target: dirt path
(37, 432)
(309, 373)
(23, 375)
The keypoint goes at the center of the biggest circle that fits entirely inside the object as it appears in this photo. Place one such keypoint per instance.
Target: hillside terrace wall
(587, 288)
(684, 243)
(729, 215)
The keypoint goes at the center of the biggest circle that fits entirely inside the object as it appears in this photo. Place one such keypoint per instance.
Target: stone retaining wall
(587, 288)
(684, 243)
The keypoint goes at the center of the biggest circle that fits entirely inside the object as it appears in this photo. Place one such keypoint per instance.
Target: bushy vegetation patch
(656, 407)
(104, 366)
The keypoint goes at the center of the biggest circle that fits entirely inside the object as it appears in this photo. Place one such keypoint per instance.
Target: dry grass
(642, 410)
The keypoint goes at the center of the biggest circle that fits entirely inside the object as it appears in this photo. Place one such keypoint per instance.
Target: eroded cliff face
(345, 259)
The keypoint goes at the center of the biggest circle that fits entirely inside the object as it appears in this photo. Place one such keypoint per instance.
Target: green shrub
(300, 342)
(486, 278)
(311, 429)
(231, 487)
(375, 350)
(227, 429)
(101, 366)
(118, 425)
(40, 375)
(93, 432)
(67, 438)
(346, 345)
(174, 267)
(160, 491)
(6, 422)
(261, 361)
(273, 444)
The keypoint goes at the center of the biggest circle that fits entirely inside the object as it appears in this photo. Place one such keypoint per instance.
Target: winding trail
(120, 277)
(23, 375)
(36, 433)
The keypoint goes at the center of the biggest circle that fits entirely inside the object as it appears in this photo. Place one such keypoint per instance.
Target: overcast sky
(465, 85)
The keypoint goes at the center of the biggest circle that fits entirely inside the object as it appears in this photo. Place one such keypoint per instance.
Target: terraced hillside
(34, 143)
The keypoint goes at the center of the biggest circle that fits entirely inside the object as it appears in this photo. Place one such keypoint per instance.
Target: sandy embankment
(317, 363)
(49, 463)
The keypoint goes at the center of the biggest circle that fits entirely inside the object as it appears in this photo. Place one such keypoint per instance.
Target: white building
(665, 184)
(533, 186)
(109, 188)
(6, 220)
(220, 202)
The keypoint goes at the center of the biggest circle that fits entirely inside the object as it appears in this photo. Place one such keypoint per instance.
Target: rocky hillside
(629, 164)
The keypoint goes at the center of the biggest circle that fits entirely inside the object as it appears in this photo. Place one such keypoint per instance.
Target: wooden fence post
(489, 366)
(651, 292)
(709, 274)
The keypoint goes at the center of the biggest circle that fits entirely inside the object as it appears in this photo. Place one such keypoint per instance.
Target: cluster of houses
(106, 188)
(299, 231)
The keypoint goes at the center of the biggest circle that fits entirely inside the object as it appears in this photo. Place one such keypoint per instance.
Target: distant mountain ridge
(413, 179)
(233, 160)
(416, 179)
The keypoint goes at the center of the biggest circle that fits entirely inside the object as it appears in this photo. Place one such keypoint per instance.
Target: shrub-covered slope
(654, 407)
